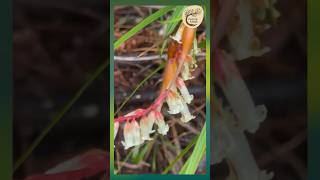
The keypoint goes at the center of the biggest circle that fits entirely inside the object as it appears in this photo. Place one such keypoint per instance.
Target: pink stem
(144, 112)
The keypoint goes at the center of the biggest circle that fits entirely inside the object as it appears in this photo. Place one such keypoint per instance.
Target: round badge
(192, 16)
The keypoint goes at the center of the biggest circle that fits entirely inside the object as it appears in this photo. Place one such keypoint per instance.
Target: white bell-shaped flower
(186, 115)
(146, 125)
(163, 128)
(174, 102)
(186, 72)
(184, 91)
(131, 134)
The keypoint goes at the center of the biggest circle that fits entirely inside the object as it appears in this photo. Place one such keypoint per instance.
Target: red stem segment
(144, 112)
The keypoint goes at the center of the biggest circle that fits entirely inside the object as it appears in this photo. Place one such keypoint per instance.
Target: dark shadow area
(57, 45)
(278, 80)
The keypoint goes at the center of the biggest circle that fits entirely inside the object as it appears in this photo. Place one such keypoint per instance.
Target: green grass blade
(142, 152)
(138, 87)
(59, 116)
(154, 158)
(141, 25)
(183, 169)
(171, 21)
(182, 153)
(199, 150)
(171, 26)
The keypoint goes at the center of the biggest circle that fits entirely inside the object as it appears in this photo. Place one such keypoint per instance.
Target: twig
(187, 126)
(135, 166)
(148, 58)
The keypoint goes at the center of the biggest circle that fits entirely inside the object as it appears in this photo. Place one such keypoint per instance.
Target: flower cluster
(136, 133)
(139, 124)
(178, 103)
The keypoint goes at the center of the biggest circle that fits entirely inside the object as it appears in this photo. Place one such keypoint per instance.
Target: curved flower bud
(116, 128)
(174, 102)
(236, 91)
(178, 36)
(131, 134)
(186, 72)
(184, 91)
(146, 125)
(163, 128)
(186, 115)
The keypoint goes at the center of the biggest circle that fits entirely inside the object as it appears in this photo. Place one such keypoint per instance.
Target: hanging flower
(184, 91)
(131, 134)
(174, 102)
(186, 72)
(236, 91)
(146, 125)
(186, 115)
(178, 36)
(116, 128)
(163, 128)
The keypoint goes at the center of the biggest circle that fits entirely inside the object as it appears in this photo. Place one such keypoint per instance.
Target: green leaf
(182, 153)
(142, 153)
(154, 158)
(141, 25)
(199, 150)
(174, 20)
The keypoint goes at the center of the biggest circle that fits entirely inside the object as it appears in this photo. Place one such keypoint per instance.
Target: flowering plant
(144, 125)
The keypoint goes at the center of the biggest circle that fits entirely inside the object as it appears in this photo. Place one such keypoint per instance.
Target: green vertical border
(5, 91)
(313, 89)
(206, 4)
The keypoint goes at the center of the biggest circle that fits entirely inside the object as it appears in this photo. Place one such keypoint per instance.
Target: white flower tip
(173, 111)
(146, 139)
(261, 112)
(176, 38)
(174, 102)
(164, 129)
(132, 135)
(188, 98)
(184, 91)
(125, 145)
